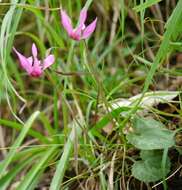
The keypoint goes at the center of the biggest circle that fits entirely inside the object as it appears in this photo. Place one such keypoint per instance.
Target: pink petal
(24, 62)
(36, 63)
(48, 61)
(81, 26)
(66, 22)
(30, 60)
(83, 17)
(89, 29)
(34, 50)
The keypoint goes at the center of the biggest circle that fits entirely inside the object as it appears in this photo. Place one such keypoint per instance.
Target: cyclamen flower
(32, 65)
(81, 31)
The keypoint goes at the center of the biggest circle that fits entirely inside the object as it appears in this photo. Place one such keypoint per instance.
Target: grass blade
(42, 163)
(164, 49)
(62, 164)
(145, 5)
(18, 142)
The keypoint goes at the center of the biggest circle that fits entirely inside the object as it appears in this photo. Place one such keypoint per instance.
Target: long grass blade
(18, 142)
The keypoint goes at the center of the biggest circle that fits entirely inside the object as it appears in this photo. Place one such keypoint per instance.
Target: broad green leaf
(150, 134)
(150, 168)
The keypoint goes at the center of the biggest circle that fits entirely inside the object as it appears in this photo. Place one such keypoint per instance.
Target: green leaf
(6, 180)
(170, 34)
(150, 134)
(41, 165)
(18, 142)
(31, 132)
(145, 5)
(63, 162)
(149, 169)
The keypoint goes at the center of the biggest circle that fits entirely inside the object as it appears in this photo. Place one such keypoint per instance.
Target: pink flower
(81, 31)
(32, 65)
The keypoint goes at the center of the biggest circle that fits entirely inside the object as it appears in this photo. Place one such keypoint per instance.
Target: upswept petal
(81, 22)
(34, 50)
(89, 29)
(66, 22)
(83, 16)
(24, 62)
(48, 61)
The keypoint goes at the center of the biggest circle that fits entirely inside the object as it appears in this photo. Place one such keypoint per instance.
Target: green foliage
(17, 143)
(149, 169)
(81, 120)
(150, 134)
(145, 5)
(63, 162)
(171, 33)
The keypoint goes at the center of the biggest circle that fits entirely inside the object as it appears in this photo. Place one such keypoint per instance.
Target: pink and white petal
(36, 63)
(81, 23)
(24, 62)
(48, 61)
(30, 60)
(89, 29)
(78, 31)
(66, 22)
(83, 16)
(34, 50)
